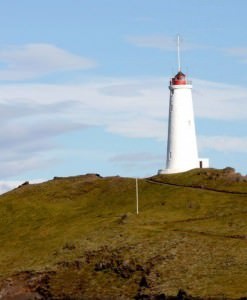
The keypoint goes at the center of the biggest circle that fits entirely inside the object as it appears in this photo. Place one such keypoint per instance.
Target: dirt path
(195, 187)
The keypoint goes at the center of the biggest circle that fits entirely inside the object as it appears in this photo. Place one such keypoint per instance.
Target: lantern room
(179, 79)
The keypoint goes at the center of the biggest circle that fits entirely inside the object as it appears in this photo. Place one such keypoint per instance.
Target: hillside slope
(79, 237)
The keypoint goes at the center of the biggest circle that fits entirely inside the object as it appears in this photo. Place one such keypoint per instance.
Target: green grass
(221, 180)
(189, 238)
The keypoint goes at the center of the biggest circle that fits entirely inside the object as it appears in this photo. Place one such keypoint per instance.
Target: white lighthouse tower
(182, 153)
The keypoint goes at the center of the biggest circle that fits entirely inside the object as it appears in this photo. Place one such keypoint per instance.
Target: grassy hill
(79, 237)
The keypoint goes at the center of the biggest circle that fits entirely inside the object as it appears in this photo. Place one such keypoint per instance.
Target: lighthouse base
(202, 164)
(171, 171)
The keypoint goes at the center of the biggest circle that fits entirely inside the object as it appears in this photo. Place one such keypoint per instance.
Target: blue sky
(83, 84)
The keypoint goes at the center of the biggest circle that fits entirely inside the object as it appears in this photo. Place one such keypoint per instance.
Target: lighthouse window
(170, 155)
(171, 107)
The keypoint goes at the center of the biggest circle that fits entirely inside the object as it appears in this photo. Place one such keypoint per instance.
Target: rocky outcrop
(26, 286)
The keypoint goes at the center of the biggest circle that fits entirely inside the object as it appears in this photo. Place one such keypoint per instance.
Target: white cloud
(219, 101)
(99, 103)
(35, 60)
(224, 143)
(130, 107)
(6, 186)
(141, 157)
(239, 52)
(110, 101)
(159, 42)
(139, 163)
(139, 127)
(33, 115)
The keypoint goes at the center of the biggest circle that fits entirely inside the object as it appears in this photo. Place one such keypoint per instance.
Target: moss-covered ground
(191, 234)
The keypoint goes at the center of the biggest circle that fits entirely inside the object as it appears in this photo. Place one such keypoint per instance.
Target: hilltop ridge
(79, 237)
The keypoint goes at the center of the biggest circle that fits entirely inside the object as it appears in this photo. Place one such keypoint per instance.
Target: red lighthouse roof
(179, 79)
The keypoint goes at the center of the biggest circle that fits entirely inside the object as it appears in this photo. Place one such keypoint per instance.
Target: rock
(23, 184)
(124, 218)
(143, 282)
(182, 295)
(160, 297)
(229, 170)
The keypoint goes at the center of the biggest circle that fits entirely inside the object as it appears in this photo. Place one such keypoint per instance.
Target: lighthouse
(182, 152)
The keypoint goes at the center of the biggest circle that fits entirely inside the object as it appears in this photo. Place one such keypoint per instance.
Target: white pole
(137, 198)
(179, 62)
